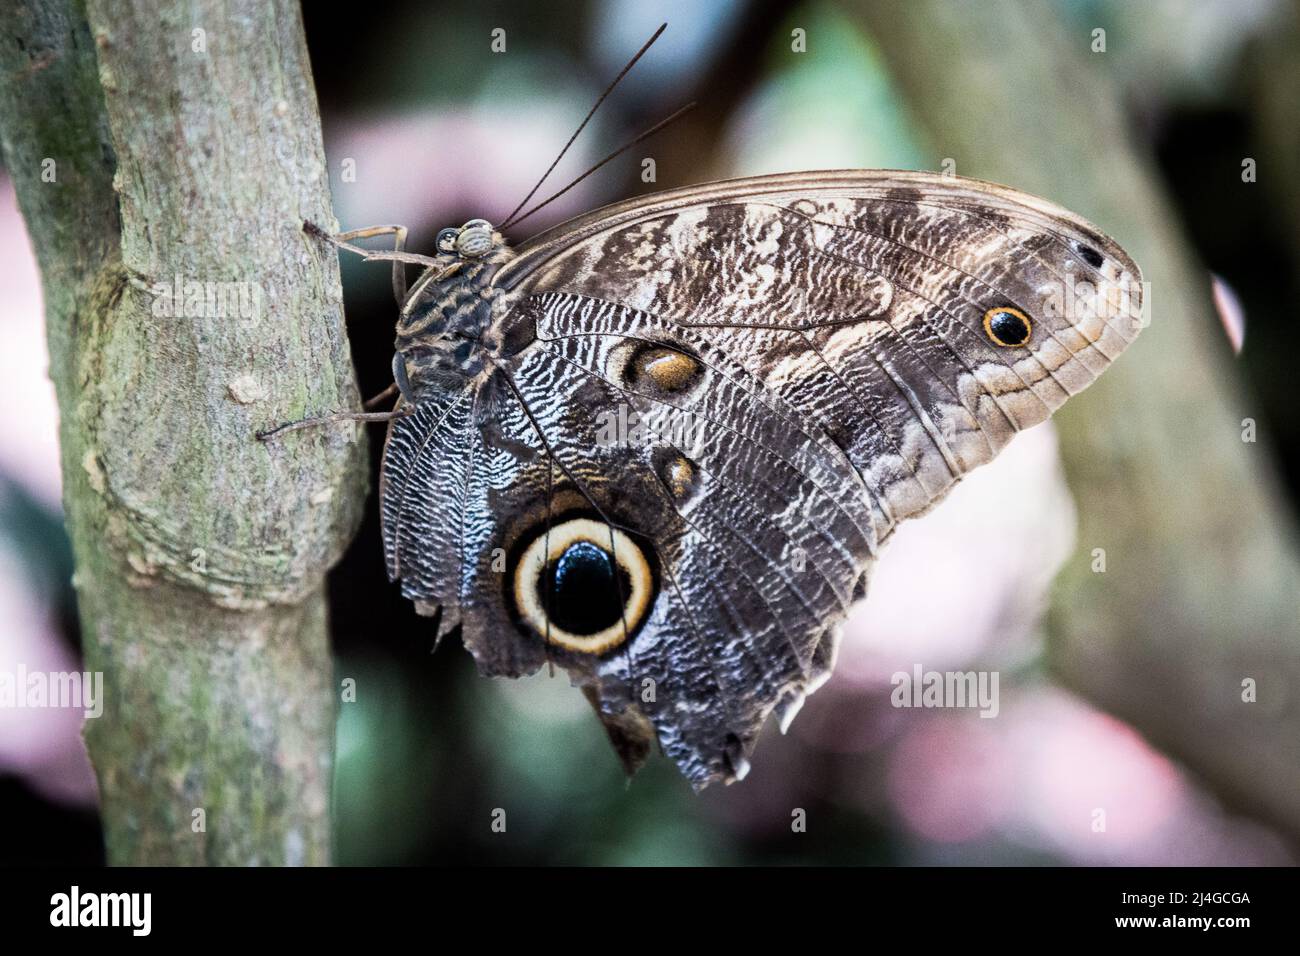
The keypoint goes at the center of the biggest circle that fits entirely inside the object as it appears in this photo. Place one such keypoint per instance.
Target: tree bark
(186, 309)
(1202, 583)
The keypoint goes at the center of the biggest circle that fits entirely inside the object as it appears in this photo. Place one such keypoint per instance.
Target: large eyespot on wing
(857, 342)
(582, 585)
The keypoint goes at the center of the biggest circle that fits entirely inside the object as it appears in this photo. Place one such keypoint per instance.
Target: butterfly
(662, 445)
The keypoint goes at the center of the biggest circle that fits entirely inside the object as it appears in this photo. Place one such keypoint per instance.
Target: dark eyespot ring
(1007, 327)
(569, 589)
(446, 241)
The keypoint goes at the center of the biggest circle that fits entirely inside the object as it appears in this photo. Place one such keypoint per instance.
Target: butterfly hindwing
(759, 538)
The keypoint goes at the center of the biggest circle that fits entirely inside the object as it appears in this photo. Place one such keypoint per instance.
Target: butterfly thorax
(440, 333)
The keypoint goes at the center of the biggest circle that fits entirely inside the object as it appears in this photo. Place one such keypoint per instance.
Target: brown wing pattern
(810, 361)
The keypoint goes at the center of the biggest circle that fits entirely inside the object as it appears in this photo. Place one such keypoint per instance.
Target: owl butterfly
(661, 445)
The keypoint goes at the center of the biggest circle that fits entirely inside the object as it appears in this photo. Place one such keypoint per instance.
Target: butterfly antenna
(583, 125)
(618, 152)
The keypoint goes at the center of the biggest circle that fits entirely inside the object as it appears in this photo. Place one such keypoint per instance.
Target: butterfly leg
(390, 392)
(344, 241)
(269, 433)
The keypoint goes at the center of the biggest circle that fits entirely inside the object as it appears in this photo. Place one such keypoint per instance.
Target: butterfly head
(474, 240)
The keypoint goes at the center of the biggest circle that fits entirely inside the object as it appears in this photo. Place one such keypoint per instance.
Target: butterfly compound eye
(446, 241)
(474, 238)
(583, 586)
(1007, 327)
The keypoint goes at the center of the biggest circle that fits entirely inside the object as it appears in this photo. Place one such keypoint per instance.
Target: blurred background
(426, 125)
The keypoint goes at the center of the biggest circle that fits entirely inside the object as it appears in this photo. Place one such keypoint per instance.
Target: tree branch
(1202, 586)
(186, 309)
